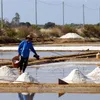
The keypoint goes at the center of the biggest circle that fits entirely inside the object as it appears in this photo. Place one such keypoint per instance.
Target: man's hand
(18, 55)
(37, 56)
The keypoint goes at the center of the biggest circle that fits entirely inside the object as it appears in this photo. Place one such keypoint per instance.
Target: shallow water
(49, 73)
(51, 96)
(10, 55)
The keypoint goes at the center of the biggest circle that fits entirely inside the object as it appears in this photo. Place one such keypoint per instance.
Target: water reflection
(26, 96)
(52, 96)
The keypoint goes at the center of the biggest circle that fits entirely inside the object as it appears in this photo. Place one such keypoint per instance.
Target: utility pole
(83, 16)
(63, 12)
(36, 12)
(99, 15)
(1, 14)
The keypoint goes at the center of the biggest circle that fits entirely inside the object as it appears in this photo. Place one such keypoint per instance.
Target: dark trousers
(23, 63)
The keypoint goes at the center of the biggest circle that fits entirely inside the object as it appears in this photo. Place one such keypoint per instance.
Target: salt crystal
(16, 61)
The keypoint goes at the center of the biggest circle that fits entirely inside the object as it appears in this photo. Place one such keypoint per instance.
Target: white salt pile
(72, 35)
(7, 74)
(6, 71)
(25, 77)
(16, 61)
(95, 75)
(77, 76)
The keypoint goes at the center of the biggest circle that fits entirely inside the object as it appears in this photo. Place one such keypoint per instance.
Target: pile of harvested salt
(95, 75)
(72, 35)
(7, 74)
(25, 77)
(76, 76)
(6, 71)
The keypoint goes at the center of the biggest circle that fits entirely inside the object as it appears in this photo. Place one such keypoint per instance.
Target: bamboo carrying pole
(49, 88)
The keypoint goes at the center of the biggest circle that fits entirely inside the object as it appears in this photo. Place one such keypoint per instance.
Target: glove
(37, 56)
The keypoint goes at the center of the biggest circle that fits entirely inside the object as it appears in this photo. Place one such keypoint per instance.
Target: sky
(51, 11)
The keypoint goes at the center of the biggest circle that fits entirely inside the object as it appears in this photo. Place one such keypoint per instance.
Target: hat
(29, 37)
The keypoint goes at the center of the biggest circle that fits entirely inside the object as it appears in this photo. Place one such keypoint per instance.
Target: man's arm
(20, 47)
(33, 50)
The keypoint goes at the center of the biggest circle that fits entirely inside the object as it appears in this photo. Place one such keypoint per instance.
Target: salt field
(49, 73)
(46, 47)
(50, 50)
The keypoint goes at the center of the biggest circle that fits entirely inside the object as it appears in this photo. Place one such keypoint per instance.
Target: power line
(59, 4)
(1, 13)
(36, 12)
(48, 3)
(99, 15)
(63, 6)
(72, 6)
(83, 15)
(91, 8)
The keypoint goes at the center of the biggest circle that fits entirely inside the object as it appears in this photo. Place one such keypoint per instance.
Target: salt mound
(95, 74)
(6, 71)
(6, 74)
(25, 77)
(76, 76)
(71, 35)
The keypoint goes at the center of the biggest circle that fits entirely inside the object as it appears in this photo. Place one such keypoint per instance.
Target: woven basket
(15, 62)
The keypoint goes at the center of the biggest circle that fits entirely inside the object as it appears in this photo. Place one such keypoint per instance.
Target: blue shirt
(25, 47)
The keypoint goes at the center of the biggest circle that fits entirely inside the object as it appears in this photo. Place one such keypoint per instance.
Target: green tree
(16, 19)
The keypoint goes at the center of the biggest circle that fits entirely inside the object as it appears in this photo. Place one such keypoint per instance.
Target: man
(24, 50)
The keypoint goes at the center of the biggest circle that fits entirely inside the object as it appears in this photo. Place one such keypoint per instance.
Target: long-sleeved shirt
(25, 47)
